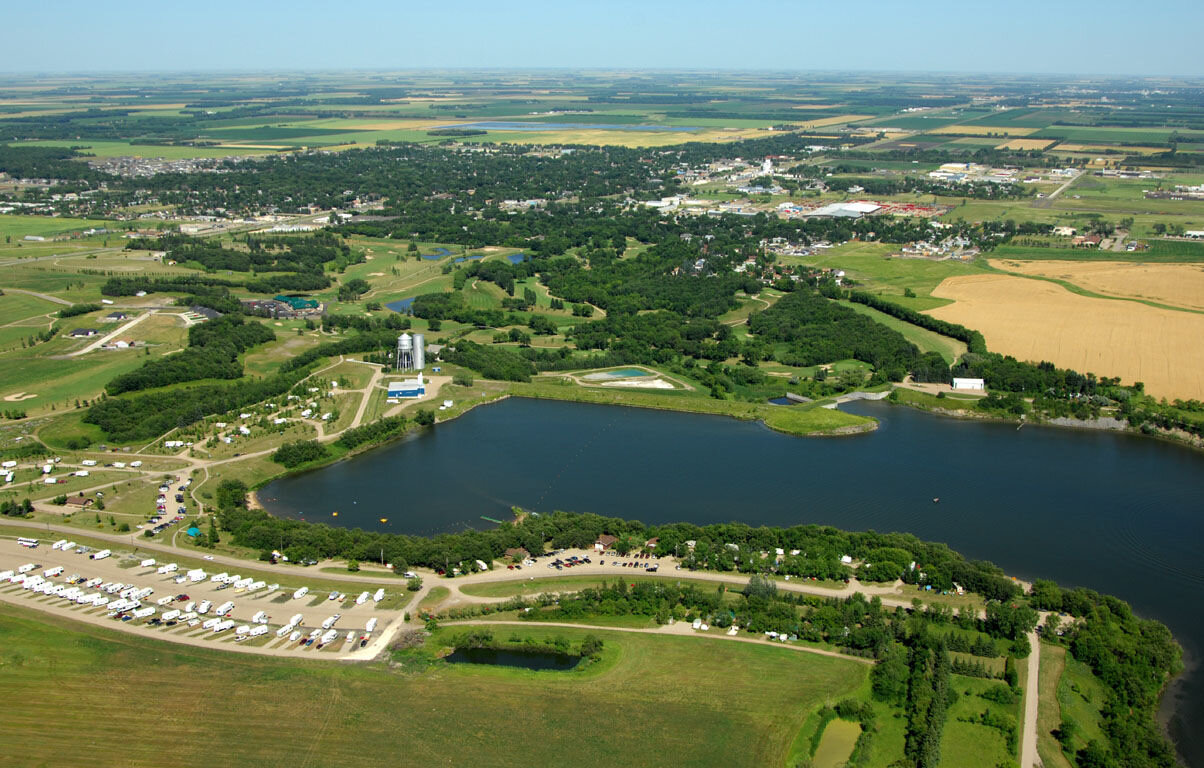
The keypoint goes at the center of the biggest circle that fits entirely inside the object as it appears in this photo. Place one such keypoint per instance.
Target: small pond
(436, 254)
(401, 305)
(537, 660)
(517, 258)
(783, 401)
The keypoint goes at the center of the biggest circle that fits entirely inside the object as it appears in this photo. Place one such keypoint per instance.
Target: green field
(101, 148)
(870, 264)
(926, 340)
(18, 227)
(742, 701)
(836, 744)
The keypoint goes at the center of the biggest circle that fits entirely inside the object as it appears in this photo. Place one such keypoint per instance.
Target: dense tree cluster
(300, 452)
(212, 353)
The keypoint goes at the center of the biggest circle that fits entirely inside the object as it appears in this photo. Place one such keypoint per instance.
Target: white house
(971, 384)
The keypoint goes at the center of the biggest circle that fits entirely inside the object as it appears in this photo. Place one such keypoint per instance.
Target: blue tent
(193, 531)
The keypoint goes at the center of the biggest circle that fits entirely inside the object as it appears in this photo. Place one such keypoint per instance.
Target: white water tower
(411, 352)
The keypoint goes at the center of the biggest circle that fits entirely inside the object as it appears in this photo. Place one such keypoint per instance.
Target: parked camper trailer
(300, 593)
(380, 595)
(363, 598)
(101, 555)
(147, 563)
(371, 625)
(204, 607)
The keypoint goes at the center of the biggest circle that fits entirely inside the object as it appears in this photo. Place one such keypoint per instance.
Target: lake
(1116, 513)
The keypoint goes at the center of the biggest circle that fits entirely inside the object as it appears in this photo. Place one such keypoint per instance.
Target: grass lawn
(869, 263)
(567, 584)
(742, 701)
(18, 227)
(965, 743)
(1049, 712)
(1080, 697)
(836, 744)
(926, 340)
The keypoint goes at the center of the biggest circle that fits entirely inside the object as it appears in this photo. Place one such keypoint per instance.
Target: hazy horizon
(1073, 38)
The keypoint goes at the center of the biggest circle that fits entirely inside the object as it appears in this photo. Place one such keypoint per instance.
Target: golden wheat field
(1037, 320)
(984, 130)
(1177, 285)
(1026, 144)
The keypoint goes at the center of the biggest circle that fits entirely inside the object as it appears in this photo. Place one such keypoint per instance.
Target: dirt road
(1028, 738)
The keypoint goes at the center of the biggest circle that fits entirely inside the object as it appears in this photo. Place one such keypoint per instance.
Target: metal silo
(419, 352)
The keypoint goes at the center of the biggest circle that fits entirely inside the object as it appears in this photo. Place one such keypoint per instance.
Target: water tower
(411, 352)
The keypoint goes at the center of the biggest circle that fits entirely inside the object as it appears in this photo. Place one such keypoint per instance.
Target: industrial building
(853, 210)
(407, 388)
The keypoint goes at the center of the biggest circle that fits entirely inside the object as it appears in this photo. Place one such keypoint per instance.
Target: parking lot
(203, 608)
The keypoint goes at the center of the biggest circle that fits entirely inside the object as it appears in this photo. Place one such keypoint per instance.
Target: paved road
(111, 335)
(1028, 743)
(47, 297)
(1046, 202)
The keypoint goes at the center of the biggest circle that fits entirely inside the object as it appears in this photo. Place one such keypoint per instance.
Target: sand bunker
(1037, 320)
(19, 397)
(641, 383)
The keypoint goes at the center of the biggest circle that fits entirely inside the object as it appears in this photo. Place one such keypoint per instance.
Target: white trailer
(196, 575)
(363, 598)
(204, 607)
(300, 593)
(223, 626)
(380, 595)
(329, 621)
(26, 568)
(100, 601)
(6, 574)
(172, 614)
(219, 577)
(296, 619)
(257, 631)
(187, 615)
(294, 637)
(162, 601)
(58, 544)
(243, 630)
(147, 563)
(260, 618)
(371, 625)
(210, 623)
(225, 608)
(69, 546)
(142, 613)
(52, 572)
(331, 634)
(101, 555)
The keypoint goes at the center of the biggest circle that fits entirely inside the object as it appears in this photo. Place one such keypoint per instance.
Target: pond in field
(401, 305)
(537, 660)
(1119, 514)
(437, 254)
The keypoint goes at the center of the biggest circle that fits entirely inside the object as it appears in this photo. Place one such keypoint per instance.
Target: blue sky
(1053, 36)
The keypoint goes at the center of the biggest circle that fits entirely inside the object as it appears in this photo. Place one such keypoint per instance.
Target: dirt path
(112, 335)
(679, 629)
(1028, 739)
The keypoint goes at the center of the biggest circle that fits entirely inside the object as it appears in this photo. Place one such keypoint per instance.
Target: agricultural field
(1178, 285)
(1040, 320)
(744, 701)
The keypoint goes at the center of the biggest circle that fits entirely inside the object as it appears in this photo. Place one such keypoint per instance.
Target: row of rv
(129, 599)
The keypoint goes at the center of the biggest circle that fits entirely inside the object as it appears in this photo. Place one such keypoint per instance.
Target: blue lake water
(506, 125)
(459, 259)
(1116, 513)
(401, 305)
(517, 258)
(436, 254)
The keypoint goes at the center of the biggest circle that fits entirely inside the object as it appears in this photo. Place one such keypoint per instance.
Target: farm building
(83, 502)
(969, 384)
(79, 332)
(114, 317)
